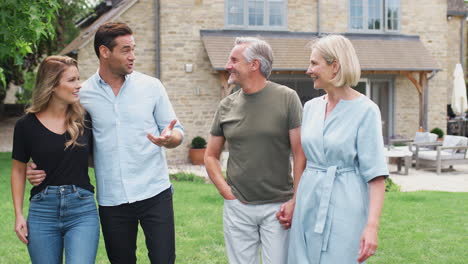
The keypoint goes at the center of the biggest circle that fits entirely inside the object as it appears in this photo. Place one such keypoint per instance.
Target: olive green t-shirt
(256, 127)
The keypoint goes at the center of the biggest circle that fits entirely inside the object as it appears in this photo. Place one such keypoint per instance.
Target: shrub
(186, 177)
(438, 131)
(390, 186)
(198, 143)
(24, 96)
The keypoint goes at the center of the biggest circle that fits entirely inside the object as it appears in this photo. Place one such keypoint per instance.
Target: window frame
(266, 16)
(383, 16)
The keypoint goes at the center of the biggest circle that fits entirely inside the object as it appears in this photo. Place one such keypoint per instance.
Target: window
(374, 15)
(256, 14)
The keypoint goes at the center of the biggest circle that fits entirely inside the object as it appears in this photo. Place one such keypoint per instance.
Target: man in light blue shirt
(133, 121)
(128, 167)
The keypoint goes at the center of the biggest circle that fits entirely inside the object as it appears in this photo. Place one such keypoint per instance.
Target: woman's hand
(21, 229)
(285, 214)
(368, 245)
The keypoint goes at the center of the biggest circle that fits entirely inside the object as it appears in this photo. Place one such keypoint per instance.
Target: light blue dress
(344, 152)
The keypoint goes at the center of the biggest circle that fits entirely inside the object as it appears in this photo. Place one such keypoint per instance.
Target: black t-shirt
(32, 140)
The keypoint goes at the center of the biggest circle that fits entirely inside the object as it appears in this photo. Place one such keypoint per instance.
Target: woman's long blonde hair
(48, 77)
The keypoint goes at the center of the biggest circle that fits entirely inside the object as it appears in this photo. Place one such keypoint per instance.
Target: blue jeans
(63, 217)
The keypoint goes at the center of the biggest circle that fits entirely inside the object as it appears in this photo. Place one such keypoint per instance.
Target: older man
(261, 122)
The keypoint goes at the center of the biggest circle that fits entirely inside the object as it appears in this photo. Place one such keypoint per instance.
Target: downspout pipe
(462, 42)
(318, 17)
(156, 39)
(426, 99)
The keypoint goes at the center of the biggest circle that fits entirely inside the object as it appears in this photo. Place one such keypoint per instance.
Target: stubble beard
(231, 81)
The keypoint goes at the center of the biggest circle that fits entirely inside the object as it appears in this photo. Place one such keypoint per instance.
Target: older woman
(340, 195)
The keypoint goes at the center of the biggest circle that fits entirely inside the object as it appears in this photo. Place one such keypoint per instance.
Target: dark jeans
(120, 228)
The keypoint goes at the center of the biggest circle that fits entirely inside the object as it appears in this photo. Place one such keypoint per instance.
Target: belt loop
(46, 189)
(73, 188)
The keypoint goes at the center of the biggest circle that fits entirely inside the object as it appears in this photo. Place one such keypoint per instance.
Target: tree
(31, 29)
(23, 24)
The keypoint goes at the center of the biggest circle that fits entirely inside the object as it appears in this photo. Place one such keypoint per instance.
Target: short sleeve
(216, 129)
(370, 147)
(164, 112)
(294, 111)
(89, 127)
(21, 150)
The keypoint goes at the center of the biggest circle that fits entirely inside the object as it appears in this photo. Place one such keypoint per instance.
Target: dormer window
(374, 15)
(256, 14)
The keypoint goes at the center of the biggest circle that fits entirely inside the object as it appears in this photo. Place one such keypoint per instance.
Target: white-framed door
(380, 90)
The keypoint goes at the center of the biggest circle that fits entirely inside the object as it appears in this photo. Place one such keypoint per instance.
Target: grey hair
(260, 50)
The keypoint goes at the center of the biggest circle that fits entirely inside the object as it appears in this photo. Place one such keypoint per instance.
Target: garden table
(400, 155)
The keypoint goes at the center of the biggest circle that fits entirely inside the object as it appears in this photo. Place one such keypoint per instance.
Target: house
(407, 48)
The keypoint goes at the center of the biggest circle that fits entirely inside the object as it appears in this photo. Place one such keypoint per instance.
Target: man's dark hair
(106, 34)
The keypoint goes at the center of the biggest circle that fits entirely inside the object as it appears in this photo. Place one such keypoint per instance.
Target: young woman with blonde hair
(55, 135)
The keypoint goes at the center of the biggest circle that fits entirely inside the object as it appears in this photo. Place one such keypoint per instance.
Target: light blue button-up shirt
(128, 166)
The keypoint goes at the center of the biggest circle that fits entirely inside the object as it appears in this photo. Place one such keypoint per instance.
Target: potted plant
(197, 151)
(439, 132)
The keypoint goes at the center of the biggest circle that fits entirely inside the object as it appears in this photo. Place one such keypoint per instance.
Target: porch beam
(225, 87)
(392, 72)
(421, 87)
(409, 75)
(423, 104)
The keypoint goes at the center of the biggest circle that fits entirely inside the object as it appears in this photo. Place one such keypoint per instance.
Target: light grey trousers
(249, 228)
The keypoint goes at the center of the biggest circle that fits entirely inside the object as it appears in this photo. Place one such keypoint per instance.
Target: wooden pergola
(421, 86)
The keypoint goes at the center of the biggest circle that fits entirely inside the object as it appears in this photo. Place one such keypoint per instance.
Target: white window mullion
(365, 17)
(385, 15)
(382, 15)
(246, 12)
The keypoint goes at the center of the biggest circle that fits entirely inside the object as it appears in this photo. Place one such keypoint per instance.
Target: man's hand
(167, 138)
(227, 194)
(35, 177)
(285, 214)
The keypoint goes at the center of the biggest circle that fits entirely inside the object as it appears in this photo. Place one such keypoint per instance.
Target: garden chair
(453, 151)
(422, 141)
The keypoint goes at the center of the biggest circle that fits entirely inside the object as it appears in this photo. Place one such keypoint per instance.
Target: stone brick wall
(429, 21)
(453, 51)
(302, 16)
(195, 96)
(334, 16)
(406, 107)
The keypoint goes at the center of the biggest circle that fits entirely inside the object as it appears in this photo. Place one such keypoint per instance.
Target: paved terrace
(455, 180)
(451, 180)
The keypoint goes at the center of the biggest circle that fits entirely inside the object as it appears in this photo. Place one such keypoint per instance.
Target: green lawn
(417, 227)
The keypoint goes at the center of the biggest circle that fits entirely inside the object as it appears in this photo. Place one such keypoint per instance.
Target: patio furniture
(453, 151)
(417, 144)
(457, 127)
(400, 155)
